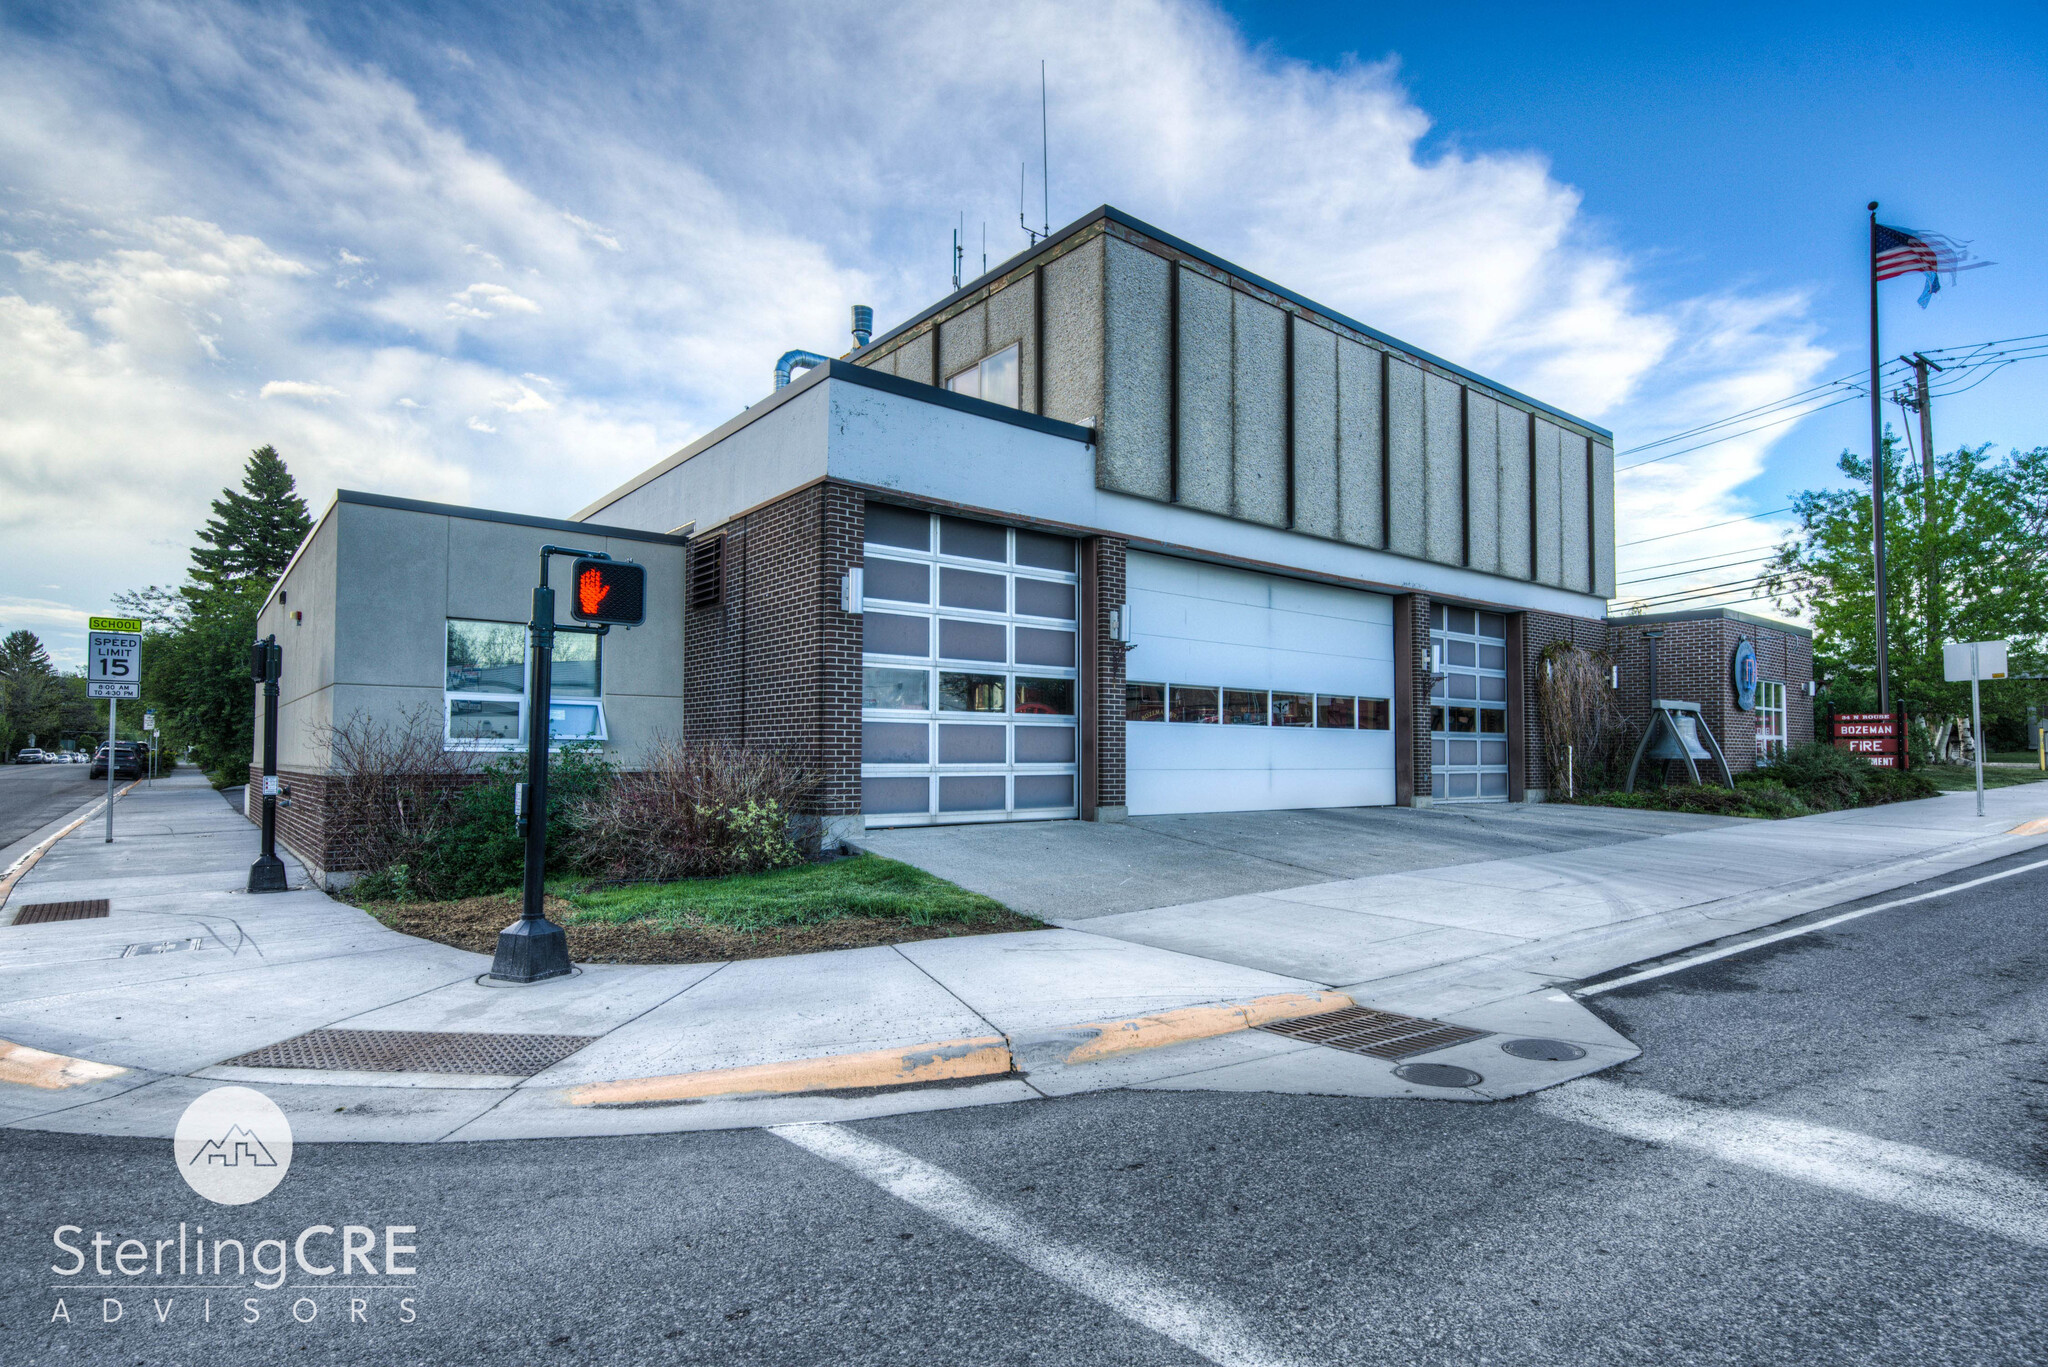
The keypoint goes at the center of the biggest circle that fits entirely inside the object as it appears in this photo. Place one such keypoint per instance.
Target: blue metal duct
(792, 360)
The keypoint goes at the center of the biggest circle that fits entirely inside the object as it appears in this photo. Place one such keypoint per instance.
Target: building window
(1254, 707)
(993, 378)
(484, 689)
(1770, 721)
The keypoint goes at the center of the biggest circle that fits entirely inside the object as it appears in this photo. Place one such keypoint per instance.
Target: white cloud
(169, 169)
(297, 389)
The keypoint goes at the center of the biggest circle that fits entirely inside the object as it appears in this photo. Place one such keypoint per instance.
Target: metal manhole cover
(1381, 1034)
(36, 913)
(1543, 1050)
(1437, 1075)
(414, 1051)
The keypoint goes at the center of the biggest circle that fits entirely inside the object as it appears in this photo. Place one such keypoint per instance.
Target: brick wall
(1417, 701)
(1539, 631)
(1105, 690)
(306, 822)
(774, 662)
(1694, 660)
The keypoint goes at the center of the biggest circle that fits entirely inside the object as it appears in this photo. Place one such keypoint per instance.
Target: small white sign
(1955, 660)
(114, 665)
(149, 721)
(270, 785)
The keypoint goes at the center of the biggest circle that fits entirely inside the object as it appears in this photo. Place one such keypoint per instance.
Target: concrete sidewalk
(112, 1025)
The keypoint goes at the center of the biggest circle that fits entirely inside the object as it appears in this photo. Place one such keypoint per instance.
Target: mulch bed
(474, 924)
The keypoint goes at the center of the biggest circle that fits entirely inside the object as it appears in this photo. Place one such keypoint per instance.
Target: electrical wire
(1703, 569)
(1666, 536)
(1713, 555)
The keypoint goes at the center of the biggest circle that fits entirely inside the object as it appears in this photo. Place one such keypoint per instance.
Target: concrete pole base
(267, 875)
(530, 952)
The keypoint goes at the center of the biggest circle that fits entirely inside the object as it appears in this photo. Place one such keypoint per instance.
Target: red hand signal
(591, 590)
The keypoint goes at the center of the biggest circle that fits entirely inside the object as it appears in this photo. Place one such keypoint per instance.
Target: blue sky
(509, 257)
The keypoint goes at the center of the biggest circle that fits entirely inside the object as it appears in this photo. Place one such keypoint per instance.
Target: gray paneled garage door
(969, 682)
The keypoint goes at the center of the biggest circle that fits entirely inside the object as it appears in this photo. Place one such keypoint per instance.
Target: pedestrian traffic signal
(610, 591)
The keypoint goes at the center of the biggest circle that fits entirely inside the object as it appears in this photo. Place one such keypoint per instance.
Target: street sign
(149, 720)
(1990, 660)
(131, 625)
(113, 664)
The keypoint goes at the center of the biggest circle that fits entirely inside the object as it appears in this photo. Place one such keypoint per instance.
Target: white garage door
(1252, 692)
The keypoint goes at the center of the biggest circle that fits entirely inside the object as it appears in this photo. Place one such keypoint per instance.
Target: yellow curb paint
(52, 1072)
(943, 1061)
(1200, 1022)
(2036, 827)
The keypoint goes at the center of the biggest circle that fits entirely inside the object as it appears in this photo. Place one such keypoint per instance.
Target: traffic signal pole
(533, 948)
(266, 661)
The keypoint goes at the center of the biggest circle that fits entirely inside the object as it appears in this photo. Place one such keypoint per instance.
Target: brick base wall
(1105, 689)
(775, 662)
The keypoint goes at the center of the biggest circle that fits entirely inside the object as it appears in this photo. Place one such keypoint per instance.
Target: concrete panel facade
(914, 359)
(1549, 562)
(1197, 420)
(1408, 491)
(1575, 511)
(1258, 416)
(1360, 496)
(1074, 335)
(1134, 456)
(1443, 471)
(1010, 313)
(1517, 529)
(1603, 519)
(1482, 483)
(1317, 500)
(963, 340)
(1205, 393)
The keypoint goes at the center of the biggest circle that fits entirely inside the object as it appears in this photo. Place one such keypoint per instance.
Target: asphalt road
(1852, 1167)
(33, 795)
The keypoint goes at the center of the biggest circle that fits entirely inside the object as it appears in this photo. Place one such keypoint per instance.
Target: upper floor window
(993, 378)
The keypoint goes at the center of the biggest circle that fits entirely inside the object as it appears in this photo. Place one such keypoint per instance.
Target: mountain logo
(233, 1145)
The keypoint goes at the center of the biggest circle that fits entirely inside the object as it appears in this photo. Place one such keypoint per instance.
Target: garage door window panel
(1193, 704)
(1144, 702)
(899, 580)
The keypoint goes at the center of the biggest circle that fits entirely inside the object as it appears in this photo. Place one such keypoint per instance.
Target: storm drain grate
(36, 913)
(414, 1051)
(1382, 1034)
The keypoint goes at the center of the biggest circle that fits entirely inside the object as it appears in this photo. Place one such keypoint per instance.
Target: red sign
(1864, 716)
(1866, 728)
(1873, 735)
(1878, 745)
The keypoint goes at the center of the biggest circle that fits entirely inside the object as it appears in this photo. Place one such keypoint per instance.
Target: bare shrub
(394, 790)
(1584, 731)
(695, 809)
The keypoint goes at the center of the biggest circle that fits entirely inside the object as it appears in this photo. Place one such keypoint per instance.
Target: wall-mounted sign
(1742, 673)
(1875, 736)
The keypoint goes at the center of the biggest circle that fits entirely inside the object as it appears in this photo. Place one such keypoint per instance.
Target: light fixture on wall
(850, 590)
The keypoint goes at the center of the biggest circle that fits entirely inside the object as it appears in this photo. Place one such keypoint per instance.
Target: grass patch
(1962, 778)
(843, 904)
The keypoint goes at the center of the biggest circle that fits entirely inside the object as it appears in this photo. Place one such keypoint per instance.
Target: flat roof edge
(851, 374)
(1115, 215)
(1714, 614)
(557, 524)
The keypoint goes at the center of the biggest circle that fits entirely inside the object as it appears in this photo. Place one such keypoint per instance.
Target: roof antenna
(984, 246)
(1030, 232)
(1044, 151)
(957, 250)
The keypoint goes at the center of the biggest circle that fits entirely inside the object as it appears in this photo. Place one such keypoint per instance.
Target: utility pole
(1924, 406)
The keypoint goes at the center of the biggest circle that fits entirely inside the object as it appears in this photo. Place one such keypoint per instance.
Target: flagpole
(1884, 687)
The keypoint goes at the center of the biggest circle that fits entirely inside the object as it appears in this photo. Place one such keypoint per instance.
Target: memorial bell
(1679, 738)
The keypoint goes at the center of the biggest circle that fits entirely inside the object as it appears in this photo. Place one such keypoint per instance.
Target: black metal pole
(534, 948)
(1884, 684)
(267, 873)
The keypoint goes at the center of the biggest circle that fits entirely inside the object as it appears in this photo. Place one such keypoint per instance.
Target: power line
(1703, 569)
(1711, 555)
(1753, 517)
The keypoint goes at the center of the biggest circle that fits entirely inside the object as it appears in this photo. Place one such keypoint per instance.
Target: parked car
(30, 756)
(128, 761)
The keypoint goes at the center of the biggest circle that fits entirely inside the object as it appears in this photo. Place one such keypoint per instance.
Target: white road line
(1919, 1180)
(1160, 1304)
(1693, 961)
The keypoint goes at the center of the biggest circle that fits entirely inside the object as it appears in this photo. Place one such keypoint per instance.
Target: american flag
(1902, 251)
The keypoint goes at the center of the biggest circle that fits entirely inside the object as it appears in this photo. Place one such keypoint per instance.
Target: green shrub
(694, 809)
(477, 850)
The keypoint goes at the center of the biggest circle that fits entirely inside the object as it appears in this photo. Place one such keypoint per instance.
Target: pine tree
(252, 533)
(29, 691)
